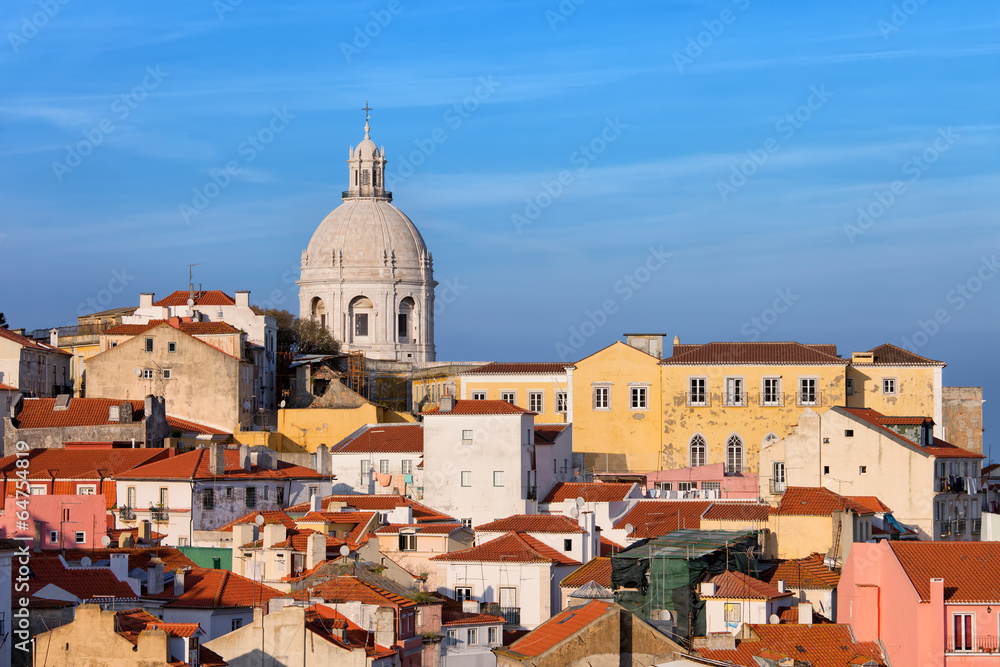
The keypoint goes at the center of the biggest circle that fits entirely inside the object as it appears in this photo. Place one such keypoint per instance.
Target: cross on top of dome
(366, 109)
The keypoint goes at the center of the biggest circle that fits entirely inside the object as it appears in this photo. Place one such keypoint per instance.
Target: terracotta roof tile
(596, 569)
(455, 617)
(815, 501)
(878, 421)
(83, 464)
(609, 548)
(195, 465)
(592, 492)
(518, 368)
(891, 355)
(469, 407)
(39, 412)
(654, 518)
(30, 343)
(384, 438)
(379, 503)
(7, 387)
(190, 328)
(201, 298)
(270, 517)
(421, 528)
(510, 548)
(562, 626)
(186, 426)
(803, 573)
(138, 557)
(737, 512)
(322, 620)
(532, 523)
(546, 434)
(352, 589)
(968, 569)
(872, 503)
(84, 583)
(218, 589)
(739, 586)
(819, 645)
(763, 353)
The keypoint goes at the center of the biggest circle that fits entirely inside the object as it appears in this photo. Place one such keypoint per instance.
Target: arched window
(361, 314)
(769, 439)
(318, 311)
(698, 449)
(405, 329)
(734, 454)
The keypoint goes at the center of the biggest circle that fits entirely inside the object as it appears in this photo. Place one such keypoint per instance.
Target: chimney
(446, 403)
(154, 577)
(146, 299)
(243, 299)
(126, 541)
(145, 532)
(315, 503)
(245, 457)
(315, 550)
(323, 460)
(781, 586)
(707, 589)
(119, 566)
(385, 623)
(805, 613)
(470, 606)
(54, 337)
(179, 577)
(273, 534)
(338, 628)
(216, 459)
(125, 412)
(588, 522)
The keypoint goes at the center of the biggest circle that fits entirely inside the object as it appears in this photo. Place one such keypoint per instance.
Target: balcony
(126, 513)
(960, 525)
(950, 485)
(511, 615)
(777, 488)
(158, 514)
(531, 493)
(367, 192)
(983, 644)
(977, 526)
(943, 529)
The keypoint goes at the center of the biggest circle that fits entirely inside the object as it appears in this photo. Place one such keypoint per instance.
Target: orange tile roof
(7, 387)
(891, 355)
(218, 589)
(270, 517)
(546, 434)
(469, 407)
(384, 438)
(560, 627)
(969, 569)
(803, 573)
(346, 588)
(379, 503)
(819, 645)
(655, 518)
(889, 420)
(195, 465)
(762, 353)
(815, 501)
(186, 426)
(322, 620)
(421, 528)
(591, 492)
(131, 622)
(609, 548)
(190, 328)
(138, 557)
(510, 548)
(30, 343)
(517, 368)
(454, 617)
(737, 511)
(201, 298)
(297, 539)
(39, 412)
(877, 420)
(532, 523)
(85, 584)
(596, 569)
(872, 503)
(739, 586)
(82, 464)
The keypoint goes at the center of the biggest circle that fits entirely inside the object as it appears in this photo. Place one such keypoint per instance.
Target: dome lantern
(366, 168)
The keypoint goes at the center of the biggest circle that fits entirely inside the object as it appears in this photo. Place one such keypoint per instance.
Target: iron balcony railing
(126, 514)
(982, 644)
(367, 193)
(960, 526)
(158, 514)
(777, 488)
(511, 615)
(977, 526)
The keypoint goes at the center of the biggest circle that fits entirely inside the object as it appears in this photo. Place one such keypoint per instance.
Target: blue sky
(739, 138)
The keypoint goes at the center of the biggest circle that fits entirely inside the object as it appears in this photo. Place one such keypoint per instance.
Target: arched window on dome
(405, 321)
(698, 450)
(362, 319)
(734, 454)
(318, 311)
(364, 176)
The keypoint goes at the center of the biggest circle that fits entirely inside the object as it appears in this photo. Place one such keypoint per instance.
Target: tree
(300, 336)
(3, 321)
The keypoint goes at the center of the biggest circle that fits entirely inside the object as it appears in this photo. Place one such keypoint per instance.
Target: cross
(366, 110)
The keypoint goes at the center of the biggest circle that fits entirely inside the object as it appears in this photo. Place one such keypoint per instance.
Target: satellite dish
(259, 520)
(774, 619)
(664, 614)
(85, 562)
(138, 372)
(105, 540)
(580, 501)
(190, 302)
(282, 404)
(345, 550)
(629, 528)
(574, 512)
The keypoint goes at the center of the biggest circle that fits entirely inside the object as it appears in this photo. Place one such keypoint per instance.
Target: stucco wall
(963, 417)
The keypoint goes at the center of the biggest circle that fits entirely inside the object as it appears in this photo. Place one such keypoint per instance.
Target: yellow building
(542, 388)
(894, 381)
(428, 385)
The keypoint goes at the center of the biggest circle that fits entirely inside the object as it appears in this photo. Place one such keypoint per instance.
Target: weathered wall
(53, 438)
(91, 641)
(963, 417)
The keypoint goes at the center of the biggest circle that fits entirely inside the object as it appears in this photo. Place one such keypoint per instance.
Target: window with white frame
(147, 373)
(466, 478)
(407, 542)
(602, 397)
(492, 635)
(406, 466)
(771, 391)
(663, 486)
(53, 537)
(711, 486)
(698, 450)
(508, 397)
(479, 395)
(685, 486)
(778, 476)
(452, 638)
(86, 489)
(383, 466)
(734, 454)
(734, 391)
(560, 401)
(639, 398)
(964, 637)
(807, 391)
(498, 478)
(888, 385)
(697, 391)
(734, 612)
(36, 490)
(467, 434)
(535, 401)
(80, 537)
(463, 593)
(849, 386)
(471, 637)
(466, 522)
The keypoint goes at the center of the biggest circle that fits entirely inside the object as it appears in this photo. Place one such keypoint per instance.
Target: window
(467, 434)
(697, 391)
(711, 486)
(171, 347)
(463, 593)
(508, 396)
(130, 494)
(685, 486)
(251, 497)
(498, 478)
(826, 470)
(237, 623)
(466, 523)
(147, 373)
(734, 612)
(383, 466)
(734, 454)
(663, 486)
(963, 632)
(807, 391)
(403, 327)
(849, 386)
(208, 499)
(567, 544)
(164, 497)
(888, 385)
(407, 542)
(862, 470)
(166, 373)
(80, 537)
(848, 432)
(266, 490)
(229, 492)
(466, 478)
(86, 490)
(365, 174)
(479, 395)
(313, 491)
(560, 401)
(535, 403)
(698, 449)
(452, 638)
(778, 477)
(639, 398)
(472, 637)
(406, 466)
(771, 392)
(734, 391)
(361, 324)
(149, 345)
(602, 398)
(53, 537)
(492, 636)
(279, 495)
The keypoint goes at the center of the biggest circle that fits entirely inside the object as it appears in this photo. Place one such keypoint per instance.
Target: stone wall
(963, 417)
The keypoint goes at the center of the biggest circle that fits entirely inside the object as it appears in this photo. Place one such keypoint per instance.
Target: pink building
(930, 603)
(61, 522)
(696, 481)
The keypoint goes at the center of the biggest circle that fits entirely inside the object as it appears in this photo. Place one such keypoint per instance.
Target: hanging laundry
(384, 479)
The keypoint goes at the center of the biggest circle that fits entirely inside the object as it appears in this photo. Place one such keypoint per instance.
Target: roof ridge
(217, 600)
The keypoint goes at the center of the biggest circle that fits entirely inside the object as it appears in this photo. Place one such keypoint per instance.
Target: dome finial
(366, 110)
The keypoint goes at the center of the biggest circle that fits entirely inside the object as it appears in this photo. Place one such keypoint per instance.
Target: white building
(34, 368)
(609, 501)
(367, 275)
(575, 538)
(483, 461)
(732, 599)
(379, 459)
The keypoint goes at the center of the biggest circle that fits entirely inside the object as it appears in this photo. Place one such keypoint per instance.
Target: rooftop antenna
(191, 283)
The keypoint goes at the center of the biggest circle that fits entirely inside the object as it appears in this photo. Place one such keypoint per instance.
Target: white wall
(537, 591)
(347, 469)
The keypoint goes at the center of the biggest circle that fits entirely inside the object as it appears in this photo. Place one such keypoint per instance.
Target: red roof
(737, 512)
(546, 434)
(347, 588)
(455, 617)
(7, 387)
(384, 438)
(891, 355)
(66, 464)
(655, 518)
(819, 645)
(739, 586)
(297, 539)
(609, 548)
(183, 425)
(510, 548)
(421, 528)
(560, 627)
(816, 501)
(803, 573)
(201, 298)
(40, 412)
(482, 408)
(592, 492)
(879, 421)
(138, 557)
(85, 584)
(532, 523)
(190, 328)
(872, 503)
(969, 569)
(763, 353)
(31, 343)
(322, 621)
(131, 622)
(596, 569)
(270, 517)
(218, 589)
(517, 368)
(379, 503)
(194, 465)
